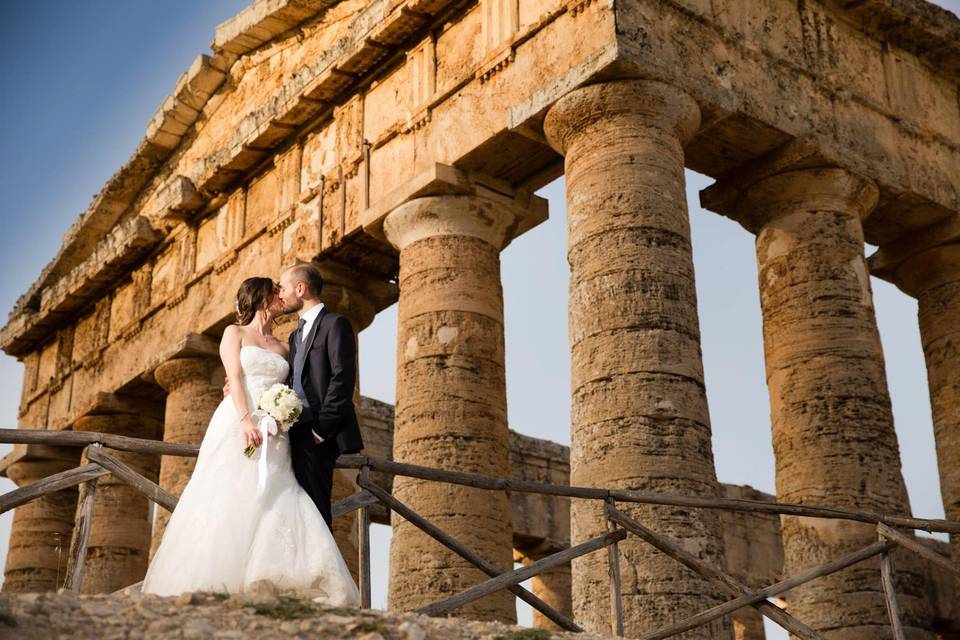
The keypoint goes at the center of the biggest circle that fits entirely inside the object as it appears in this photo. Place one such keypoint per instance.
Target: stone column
(194, 389)
(120, 530)
(933, 277)
(451, 408)
(639, 414)
(833, 433)
(551, 586)
(40, 536)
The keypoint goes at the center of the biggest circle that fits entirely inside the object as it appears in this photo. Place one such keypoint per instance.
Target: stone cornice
(109, 260)
(380, 26)
(253, 27)
(922, 28)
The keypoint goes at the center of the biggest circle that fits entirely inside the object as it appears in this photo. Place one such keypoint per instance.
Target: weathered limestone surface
(833, 434)
(194, 388)
(451, 396)
(200, 615)
(119, 543)
(40, 537)
(933, 277)
(639, 414)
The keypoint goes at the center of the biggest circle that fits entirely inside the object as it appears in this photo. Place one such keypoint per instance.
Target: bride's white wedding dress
(222, 537)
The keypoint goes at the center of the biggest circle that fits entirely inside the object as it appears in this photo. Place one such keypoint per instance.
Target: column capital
(23, 472)
(574, 114)
(356, 295)
(176, 372)
(925, 251)
(445, 180)
(451, 215)
(930, 268)
(740, 194)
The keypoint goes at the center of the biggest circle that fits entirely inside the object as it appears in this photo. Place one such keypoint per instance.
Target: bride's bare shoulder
(232, 334)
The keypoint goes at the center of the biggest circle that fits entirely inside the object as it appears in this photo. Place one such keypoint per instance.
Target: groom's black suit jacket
(329, 377)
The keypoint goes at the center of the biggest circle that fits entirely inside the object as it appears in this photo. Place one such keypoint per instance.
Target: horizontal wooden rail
(624, 495)
(84, 438)
(50, 484)
(140, 445)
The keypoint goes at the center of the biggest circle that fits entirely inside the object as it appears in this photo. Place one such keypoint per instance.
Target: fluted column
(194, 388)
(833, 434)
(451, 410)
(639, 414)
(40, 536)
(119, 541)
(933, 277)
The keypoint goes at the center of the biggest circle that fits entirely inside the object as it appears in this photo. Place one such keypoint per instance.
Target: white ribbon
(267, 426)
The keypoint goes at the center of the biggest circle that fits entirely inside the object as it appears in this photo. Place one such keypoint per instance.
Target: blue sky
(83, 79)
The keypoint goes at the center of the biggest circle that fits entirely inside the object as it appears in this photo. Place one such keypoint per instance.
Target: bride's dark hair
(254, 294)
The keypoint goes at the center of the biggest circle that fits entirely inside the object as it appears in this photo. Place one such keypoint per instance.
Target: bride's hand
(251, 435)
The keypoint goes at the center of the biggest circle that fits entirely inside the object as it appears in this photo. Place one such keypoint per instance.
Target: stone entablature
(360, 91)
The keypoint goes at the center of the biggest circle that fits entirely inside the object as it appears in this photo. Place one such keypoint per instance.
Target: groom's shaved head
(309, 275)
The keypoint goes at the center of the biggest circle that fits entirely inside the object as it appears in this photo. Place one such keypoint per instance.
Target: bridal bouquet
(277, 409)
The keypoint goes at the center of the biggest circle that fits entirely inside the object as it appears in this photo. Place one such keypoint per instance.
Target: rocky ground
(210, 615)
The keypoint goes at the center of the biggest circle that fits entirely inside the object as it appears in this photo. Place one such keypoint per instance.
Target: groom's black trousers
(313, 466)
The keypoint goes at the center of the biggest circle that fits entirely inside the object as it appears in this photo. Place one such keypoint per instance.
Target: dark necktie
(298, 364)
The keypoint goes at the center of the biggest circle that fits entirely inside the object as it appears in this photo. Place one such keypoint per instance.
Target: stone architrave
(119, 544)
(833, 435)
(194, 387)
(639, 407)
(451, 408)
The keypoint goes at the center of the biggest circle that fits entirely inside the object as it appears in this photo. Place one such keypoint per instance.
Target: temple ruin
(399, 144)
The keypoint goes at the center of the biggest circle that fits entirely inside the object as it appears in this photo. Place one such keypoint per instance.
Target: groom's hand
(226, 387)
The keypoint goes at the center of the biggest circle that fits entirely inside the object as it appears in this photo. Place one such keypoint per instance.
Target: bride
(222, 536)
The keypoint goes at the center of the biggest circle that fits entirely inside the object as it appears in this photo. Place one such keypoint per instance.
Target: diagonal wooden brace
(711, 573)
(468, 554)
(125, 473)
(803, 577)
(517, 576)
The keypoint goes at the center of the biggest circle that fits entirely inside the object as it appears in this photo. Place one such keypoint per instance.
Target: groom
(323, 374)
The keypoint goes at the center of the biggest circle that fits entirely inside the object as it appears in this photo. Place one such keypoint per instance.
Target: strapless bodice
(261, 369)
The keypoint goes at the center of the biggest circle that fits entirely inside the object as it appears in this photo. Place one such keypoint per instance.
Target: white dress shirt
(308, 317)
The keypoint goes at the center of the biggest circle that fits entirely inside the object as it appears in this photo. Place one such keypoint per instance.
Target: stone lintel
(886, 260)
(443, 179)
(192, 345)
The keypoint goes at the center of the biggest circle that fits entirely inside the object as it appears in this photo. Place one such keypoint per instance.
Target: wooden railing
(619, 526)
